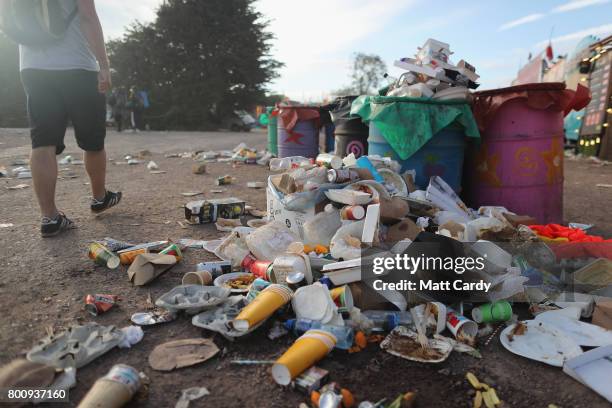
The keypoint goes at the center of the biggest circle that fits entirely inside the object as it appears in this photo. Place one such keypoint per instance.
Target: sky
(316, 39)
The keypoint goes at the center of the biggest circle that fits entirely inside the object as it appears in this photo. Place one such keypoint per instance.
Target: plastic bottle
(387, 320)
(344, 334)
(365, 163)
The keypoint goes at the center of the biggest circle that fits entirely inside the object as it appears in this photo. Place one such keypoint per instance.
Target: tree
(199, 60)
(12, 98)
(367, 74)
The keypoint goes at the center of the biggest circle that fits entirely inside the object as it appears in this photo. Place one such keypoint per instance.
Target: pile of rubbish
(431, 74)
(308, 269)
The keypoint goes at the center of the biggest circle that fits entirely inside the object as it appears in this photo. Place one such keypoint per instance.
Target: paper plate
(583, 334)
(402, 342)
(541, 342)
(221, 280)
(311, 302)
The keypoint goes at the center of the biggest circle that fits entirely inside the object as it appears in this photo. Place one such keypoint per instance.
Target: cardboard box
(208, 211)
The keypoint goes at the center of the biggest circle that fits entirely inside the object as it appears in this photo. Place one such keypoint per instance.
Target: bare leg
(95, 164)
(43, 164)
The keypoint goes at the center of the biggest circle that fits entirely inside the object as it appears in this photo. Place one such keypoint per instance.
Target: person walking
(135, 105)
(65, 74)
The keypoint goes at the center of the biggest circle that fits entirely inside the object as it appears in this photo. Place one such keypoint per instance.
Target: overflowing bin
(424, 135)
(519, 164)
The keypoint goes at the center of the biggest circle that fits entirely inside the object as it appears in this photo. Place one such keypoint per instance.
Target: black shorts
(55, 97)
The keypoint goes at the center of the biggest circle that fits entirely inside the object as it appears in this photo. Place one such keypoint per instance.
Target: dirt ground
(44, 282)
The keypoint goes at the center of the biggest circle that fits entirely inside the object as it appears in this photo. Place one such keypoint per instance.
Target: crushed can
(98, 304)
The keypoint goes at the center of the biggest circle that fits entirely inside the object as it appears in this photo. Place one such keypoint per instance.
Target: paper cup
(263, 306)
(492, 312)
(113, 390)
(326, 336)
(303, 354)
(343, 298)
(457, 323)
(283, 290)
(203, 278)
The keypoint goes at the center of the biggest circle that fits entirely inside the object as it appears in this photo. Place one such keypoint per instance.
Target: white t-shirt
(72, 52)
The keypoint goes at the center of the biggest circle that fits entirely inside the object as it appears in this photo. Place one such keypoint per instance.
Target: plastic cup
(492, 312)
(303, 354)
(203, 278)
(343, 298)
(263, 306)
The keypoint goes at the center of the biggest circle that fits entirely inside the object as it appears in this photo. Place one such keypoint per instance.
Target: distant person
(136, 107)
(118, 103)
(65, 74)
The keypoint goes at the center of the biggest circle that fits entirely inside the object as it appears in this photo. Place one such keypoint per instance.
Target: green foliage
(367, 74)
(12, 98)
(200, 60)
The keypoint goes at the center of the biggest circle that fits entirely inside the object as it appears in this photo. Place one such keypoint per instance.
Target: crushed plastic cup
(305, 352)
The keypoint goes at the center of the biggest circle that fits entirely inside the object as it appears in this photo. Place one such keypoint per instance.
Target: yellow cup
(303, 354)
(263, 306)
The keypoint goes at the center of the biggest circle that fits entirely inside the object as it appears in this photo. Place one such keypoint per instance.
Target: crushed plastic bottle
(287, 163)
(387, 320)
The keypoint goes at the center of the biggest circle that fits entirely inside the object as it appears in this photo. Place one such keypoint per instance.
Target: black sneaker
(52, 227)
(110, 200)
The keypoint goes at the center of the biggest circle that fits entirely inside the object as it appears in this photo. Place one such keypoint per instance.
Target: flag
(549, 52)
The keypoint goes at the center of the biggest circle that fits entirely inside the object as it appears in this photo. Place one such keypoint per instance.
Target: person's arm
(92, 30)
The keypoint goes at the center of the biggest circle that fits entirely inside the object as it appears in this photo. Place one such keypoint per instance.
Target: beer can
(261, 269)
(341, 176)
(98, 304)
(328, 160)
(103, 256)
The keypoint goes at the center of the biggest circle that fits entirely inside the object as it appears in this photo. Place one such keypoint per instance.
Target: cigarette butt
(478, 399)
(488, 400)
(494, 396)
(473, 380)
(485, 386)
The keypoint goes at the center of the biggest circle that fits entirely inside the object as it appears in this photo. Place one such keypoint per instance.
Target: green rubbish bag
(408, 123)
